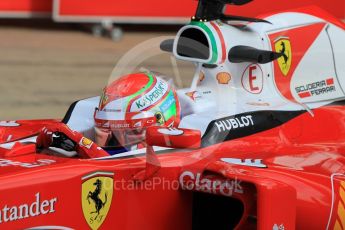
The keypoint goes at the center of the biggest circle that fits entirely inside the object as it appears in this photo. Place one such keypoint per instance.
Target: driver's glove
(57, 135)
(61, 136)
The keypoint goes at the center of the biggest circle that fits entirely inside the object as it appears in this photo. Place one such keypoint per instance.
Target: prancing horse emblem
(97, 193)
(99, 204)
(283, 46)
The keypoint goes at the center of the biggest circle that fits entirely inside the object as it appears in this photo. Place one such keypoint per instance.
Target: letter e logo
(252, 79)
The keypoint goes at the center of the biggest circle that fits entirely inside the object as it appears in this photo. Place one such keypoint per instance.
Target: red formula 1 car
(260, 141)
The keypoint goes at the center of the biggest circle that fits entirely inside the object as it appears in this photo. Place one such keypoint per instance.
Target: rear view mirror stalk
(165, 137)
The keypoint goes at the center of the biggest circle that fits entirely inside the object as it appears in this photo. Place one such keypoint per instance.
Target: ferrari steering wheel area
(61, 139)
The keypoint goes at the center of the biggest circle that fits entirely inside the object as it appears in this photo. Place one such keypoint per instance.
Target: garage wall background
(173, 11)
(25, 8)
(148, 11)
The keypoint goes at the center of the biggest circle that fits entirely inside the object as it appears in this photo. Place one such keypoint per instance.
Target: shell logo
(87, 143)
(223, 78)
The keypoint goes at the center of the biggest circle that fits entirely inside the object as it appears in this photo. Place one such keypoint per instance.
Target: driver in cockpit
(131, 104)
(127, 107)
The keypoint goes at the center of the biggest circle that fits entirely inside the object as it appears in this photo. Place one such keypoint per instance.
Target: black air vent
(193, 43)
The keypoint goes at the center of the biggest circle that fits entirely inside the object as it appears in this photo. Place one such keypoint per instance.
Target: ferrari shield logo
(96, 196)
(283, 46)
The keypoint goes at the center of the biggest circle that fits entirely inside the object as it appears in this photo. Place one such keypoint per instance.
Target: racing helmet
(132, 103)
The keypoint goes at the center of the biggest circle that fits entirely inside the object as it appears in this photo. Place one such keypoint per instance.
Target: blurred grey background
(44, 67)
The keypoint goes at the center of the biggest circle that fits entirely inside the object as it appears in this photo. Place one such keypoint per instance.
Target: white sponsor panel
(337, 37)
(315, 78)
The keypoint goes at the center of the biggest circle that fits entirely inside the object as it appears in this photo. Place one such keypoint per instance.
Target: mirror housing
(239, 54)
(167, 45)
(165, 137)
(173, 138)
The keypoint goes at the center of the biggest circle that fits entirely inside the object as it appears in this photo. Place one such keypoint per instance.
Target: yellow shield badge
(96, 196)
(283, 46)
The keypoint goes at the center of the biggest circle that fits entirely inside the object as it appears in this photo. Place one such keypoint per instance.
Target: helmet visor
(123, 132)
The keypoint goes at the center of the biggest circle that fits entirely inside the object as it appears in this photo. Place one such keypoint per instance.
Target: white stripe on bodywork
(50, 227)
(97, 173)
(332, 204)
(26, 140)
(131, 153)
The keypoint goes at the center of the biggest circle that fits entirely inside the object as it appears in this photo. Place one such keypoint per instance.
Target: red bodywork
(155, 9)
(294, 190)
(286, 172)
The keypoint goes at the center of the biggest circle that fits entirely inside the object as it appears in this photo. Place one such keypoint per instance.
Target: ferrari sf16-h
(256, 142)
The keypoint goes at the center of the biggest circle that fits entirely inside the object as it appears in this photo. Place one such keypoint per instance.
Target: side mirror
(173, 138)
(238, 54)
(167, 45)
